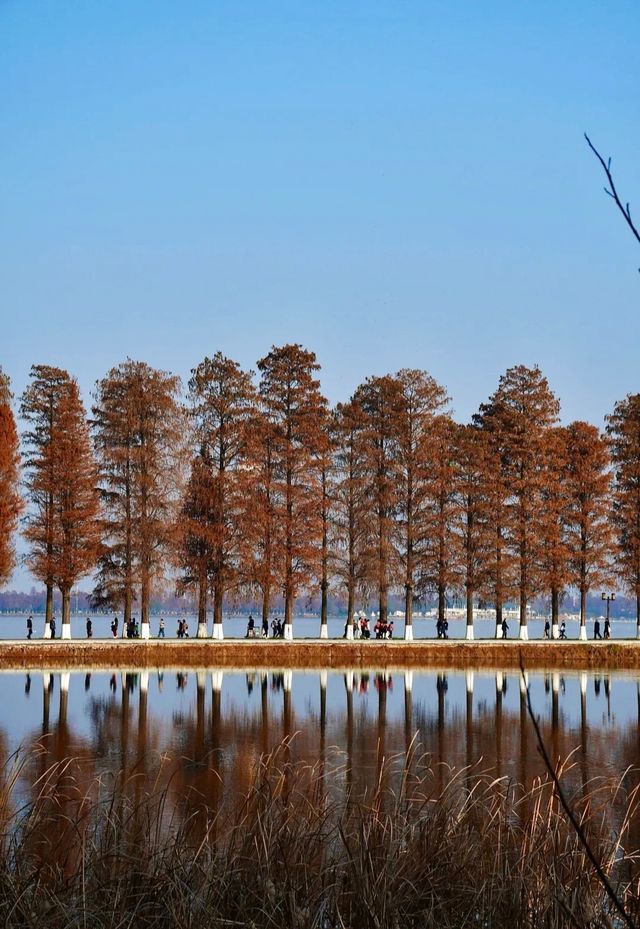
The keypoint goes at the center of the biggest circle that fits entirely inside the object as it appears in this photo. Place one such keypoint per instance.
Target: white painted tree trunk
(408, 681)
(145, 631)
(65, 631)
(218, 632)
(469, 634)
(524, 633)
(324, 631)
(47, 630)
(202, 632)
(408, 633)
(498, 631)
(583, 634)
(288, 631)
(555, 631)
(350, 631)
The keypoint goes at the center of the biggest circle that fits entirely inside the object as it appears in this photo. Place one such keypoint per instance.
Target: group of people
(442, 629)
(361, 628)
(252, 629)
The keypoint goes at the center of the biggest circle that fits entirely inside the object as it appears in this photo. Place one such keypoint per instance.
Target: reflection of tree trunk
(264, 728)
(348, 684)
(198, 753)
(323, 715)
(555, 719)
(46, 701)
(583, 731)
(124, 729)
(499, 683)
(408, 710)
(441, 685)
(216, 749)
(382, 725)
(524, 736)
(287, 721)
(469, 724)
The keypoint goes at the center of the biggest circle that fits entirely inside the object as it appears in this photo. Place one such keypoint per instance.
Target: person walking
(251, 628)
(265, 627)
(547, 629)
(596, 629)
(161, 628)
(29, 627)
(505, 628)
(52, 626)
(89, 628)
(607, 629)
(563, 630)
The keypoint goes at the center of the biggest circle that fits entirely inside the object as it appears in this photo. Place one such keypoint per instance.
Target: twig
(611, 190)
(602, 877)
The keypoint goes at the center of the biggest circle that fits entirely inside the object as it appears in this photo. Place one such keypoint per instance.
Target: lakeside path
(317, 654)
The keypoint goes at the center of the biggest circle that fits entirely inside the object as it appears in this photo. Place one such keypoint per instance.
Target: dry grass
(337, 653)
(299, 851)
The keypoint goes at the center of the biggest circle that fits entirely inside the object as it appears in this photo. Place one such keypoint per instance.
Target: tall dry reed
(299, 849)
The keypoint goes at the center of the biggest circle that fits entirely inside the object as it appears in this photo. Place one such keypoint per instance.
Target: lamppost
(608, 598)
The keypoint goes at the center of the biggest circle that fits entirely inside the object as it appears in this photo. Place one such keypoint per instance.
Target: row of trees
(255, 484)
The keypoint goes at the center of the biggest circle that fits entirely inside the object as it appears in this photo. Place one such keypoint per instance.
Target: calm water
(14, 627)
(203, 733)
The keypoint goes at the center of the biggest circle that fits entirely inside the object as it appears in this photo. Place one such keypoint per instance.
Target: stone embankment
(310, 653)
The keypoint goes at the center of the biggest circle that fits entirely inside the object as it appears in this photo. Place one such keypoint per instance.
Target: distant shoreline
(126, 654)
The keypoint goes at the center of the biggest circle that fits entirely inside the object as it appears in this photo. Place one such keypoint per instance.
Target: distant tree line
(252, 484)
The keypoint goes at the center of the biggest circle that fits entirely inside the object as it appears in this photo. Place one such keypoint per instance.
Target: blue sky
(391, 183)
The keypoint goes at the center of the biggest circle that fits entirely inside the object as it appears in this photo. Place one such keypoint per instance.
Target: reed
(300, 849)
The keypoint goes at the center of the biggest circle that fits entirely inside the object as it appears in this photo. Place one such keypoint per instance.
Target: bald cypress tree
(623, 431)
(351, 516)
(420, 400)
(378, 398)
(222, 400)
(11, 503)
(555, 500)
(519, 414)
(139, 439)
(291, 401)
(76, 502)
(588, 487)
(40, 408)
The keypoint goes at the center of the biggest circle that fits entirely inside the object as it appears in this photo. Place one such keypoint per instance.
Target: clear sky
(390, 183)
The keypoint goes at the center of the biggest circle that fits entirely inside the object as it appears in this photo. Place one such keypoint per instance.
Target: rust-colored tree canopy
(11, 504)
(383, 495)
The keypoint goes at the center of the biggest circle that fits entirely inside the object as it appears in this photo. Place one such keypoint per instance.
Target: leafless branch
(611, 190)
(571, 816)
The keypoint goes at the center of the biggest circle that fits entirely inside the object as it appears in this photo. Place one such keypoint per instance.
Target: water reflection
(199, 736)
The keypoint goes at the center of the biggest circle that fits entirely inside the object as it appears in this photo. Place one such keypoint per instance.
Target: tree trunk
(638, 615)
(145, 597)
(266, 602)
(66, 613)
(202, 606)
(523, 608)
(408, 612)
(288, 615)
(323, 609)
(408, 605)
(469, 613)
(384, 604)
(48, 616)
(218, 597)
(350, 606)
(442, 603)
(583, 607)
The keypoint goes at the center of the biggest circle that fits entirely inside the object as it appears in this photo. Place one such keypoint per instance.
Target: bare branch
(612, 192)
(571, 816)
